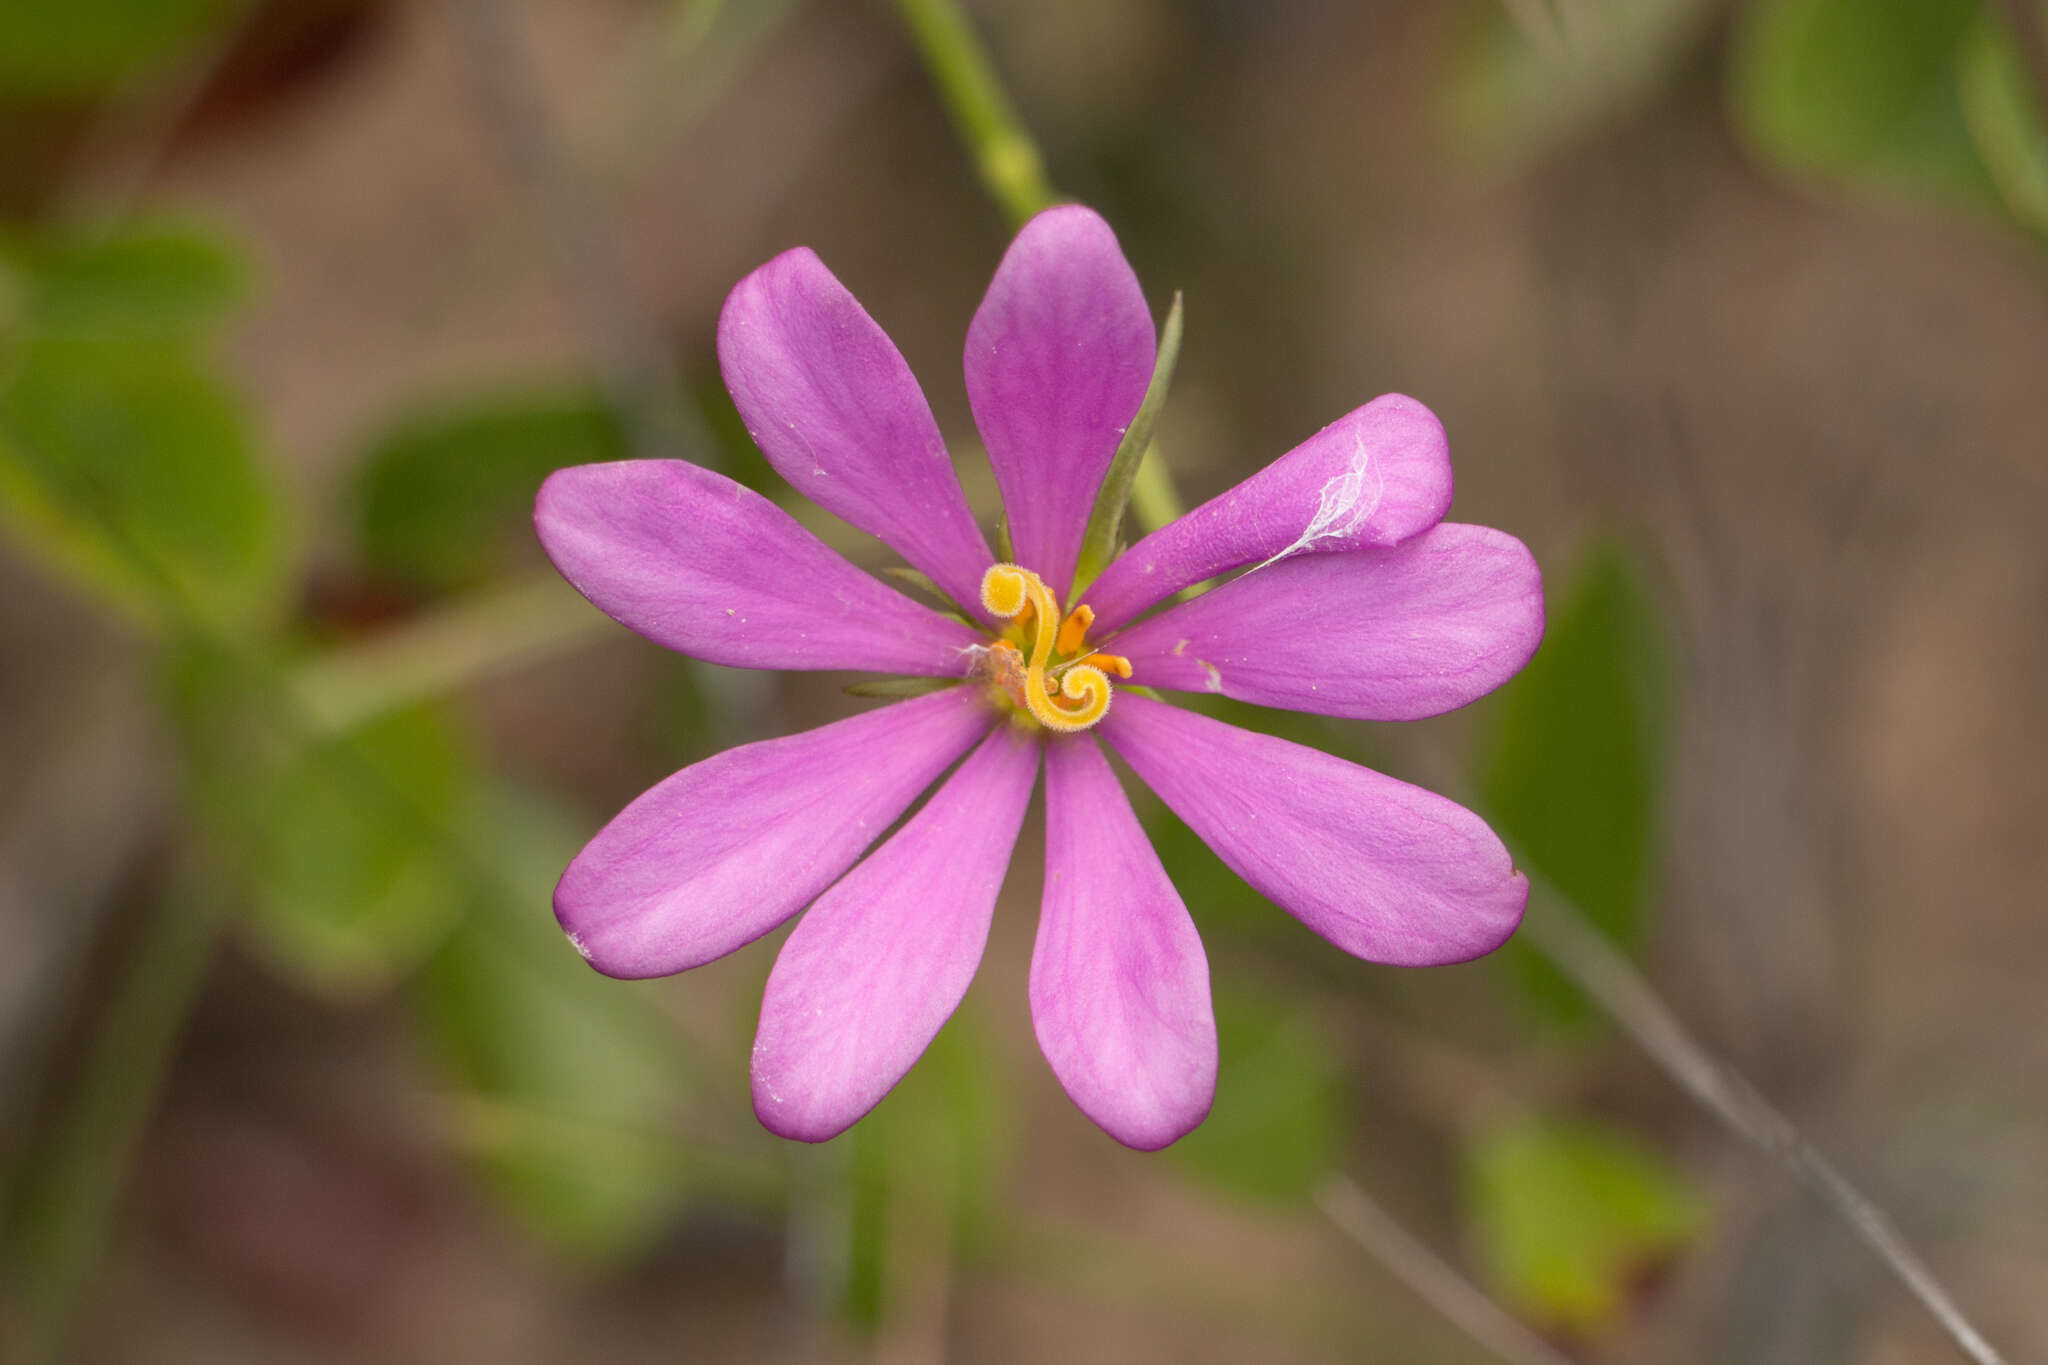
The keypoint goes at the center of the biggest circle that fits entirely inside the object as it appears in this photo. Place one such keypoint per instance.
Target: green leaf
(1278, 1122)
(55, 48)
(143, 282)
(1512, 94)
(1567, 1217)
(446, 499)
(2004, 116)
(1859, 94)
(571, 1085)
(132, 468)
(1570, 776)
(1105, 522)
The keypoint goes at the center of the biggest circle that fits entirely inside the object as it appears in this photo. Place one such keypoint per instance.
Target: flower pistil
(1064, 688)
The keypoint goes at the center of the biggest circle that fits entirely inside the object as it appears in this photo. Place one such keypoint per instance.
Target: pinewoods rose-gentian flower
(1356, 600)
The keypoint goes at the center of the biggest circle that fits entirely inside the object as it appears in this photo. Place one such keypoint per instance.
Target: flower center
(1062, 685)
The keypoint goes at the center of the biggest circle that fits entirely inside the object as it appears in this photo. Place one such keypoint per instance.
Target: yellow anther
(1009, 591)
(1109, 663)
(1075, 629)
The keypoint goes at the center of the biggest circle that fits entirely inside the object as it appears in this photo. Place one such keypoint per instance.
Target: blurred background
(1737, 313)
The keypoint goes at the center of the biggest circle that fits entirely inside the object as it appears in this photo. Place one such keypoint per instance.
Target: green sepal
(922, 583)
(1099, 543)
(900, 687)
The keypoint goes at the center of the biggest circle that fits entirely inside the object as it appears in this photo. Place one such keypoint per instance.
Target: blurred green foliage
(445, 499)
(2004, 114)
(1512, 92)
(1278, 1124)
(340, 842)
(926, 1160)
(160, 282)
(70, 48)
(570, 1086)
(1571, 771)
(126, 460)
(1859, 93)
(1569, 1218)
(353, 878)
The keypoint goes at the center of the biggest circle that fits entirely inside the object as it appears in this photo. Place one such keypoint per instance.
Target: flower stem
(1011, 170)
(1416, 1266)
(495, 630)
(1004, 155)
(1564, 935)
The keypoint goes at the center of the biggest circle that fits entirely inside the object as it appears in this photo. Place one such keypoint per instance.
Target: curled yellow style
(1060, 696)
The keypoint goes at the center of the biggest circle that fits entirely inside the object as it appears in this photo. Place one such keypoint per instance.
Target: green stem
(490, 632)
(1010, 167)
(1004, 154)
(69, 1197)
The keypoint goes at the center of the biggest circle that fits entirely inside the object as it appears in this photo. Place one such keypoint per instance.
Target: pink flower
(1360, 602)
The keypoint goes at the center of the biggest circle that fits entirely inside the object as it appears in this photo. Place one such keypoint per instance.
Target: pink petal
(1375, 476)
(693, 561)
(1398, 634)
(1119, 983)
(1058, 358)
(876, 968)
(830, 401)
(1386, 871)
(726, 849)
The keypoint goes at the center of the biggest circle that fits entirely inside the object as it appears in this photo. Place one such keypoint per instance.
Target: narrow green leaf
(1860, 94)
(922, 584)
(1570, 774)
(1569, 1217)
(1105, 523)
(445, 499)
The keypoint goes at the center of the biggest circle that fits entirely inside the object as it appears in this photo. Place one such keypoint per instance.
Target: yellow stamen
(1109, 663)
(1075, 629)
(1009, 591)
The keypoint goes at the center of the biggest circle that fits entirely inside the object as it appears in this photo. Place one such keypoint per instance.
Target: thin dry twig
(1604, 974)
(1443, 1288)
(1538, 25)
(627, 343)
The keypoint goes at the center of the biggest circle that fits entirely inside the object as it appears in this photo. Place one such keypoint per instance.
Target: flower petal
(1058, 358)
(1375, 476)
(1119, 982)
(830, 401)
(1398, 634)
(693, 561)
(1386, 871)
(876, 968)
(726, 849)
